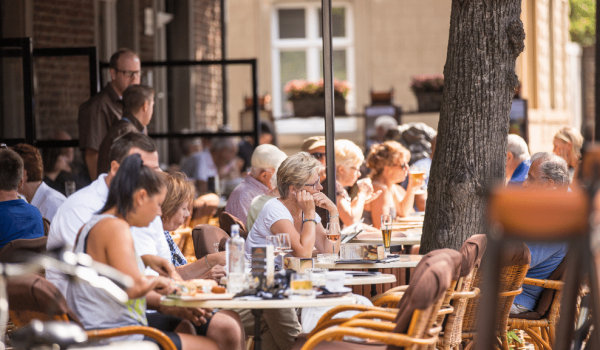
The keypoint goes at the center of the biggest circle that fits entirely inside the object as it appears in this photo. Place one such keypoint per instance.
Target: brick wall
(62, 84)
(207, 38)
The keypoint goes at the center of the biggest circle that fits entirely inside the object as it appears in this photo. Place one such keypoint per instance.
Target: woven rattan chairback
(515, 263)
(472, 253)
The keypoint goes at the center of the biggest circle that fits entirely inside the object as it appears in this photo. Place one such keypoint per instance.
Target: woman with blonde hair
(389, 164)
(348, 159)
(567, 145)
(225, 326)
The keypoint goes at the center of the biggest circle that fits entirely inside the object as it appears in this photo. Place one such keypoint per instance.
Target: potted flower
(308, 97)
(428, 89)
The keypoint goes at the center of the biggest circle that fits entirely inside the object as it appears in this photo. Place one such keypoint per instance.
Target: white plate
(341, 290)
(202, 296)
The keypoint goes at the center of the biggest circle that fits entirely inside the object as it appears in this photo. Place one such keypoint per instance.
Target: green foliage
(511, 337)
(583, 21)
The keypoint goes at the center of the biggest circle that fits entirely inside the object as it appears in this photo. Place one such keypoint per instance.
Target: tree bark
(486, 37)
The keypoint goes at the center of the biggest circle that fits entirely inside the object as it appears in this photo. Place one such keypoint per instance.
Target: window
(297, 49)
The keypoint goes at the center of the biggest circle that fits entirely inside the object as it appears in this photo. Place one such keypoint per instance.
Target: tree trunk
(486, 37)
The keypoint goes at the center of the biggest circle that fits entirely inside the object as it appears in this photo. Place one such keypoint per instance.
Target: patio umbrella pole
(328, 90)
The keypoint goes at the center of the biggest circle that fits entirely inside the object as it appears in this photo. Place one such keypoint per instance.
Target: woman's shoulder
(379, 186)
(109, 224)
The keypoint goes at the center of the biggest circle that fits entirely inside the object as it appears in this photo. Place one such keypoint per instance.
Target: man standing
(138, 106)
(265, 161)
(102, 110)
(517, 160)
(35, 190)
(19, 220)
(547, 172)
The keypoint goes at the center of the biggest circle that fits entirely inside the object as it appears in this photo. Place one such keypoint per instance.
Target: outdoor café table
(371, 239)
(257, 306)
(351, 281)
(406, 261)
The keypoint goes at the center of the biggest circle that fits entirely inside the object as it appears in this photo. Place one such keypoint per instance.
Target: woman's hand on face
(322, 201)
(306, 201)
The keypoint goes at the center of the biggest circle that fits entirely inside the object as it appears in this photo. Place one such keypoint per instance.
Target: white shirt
(151, 241)
(272, 212)
(78, 209)
(47, 200)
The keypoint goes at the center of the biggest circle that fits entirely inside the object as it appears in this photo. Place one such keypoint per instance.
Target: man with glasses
(102, 110)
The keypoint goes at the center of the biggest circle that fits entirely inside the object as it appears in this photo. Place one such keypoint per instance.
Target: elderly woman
(348, 159)
(567, 145)
(225, 326)
(389, 164)
(293, 213)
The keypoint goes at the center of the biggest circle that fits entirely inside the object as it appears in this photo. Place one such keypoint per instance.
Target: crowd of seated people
(124, 217)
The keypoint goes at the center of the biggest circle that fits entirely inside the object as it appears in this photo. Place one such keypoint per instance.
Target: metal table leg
(257, 313)
(373, 286)
(407, 249)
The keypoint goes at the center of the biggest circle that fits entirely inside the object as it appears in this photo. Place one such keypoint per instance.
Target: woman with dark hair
(134, 199)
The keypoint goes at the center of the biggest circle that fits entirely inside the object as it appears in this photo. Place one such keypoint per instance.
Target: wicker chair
(514, 264)
(33, 297)
(472, 252)
(414, 318)
(540, 324)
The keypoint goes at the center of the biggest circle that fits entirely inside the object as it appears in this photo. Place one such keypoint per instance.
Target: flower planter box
(315, 106)
(429, 101)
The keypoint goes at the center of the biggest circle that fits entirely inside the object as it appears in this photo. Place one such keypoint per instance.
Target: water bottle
(236, 276)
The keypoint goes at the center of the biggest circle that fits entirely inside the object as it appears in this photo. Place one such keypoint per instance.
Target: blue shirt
(545, 258)
(177, 257)
(19, 220)
(520, 174)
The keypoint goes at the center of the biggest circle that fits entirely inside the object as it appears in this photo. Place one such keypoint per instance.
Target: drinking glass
(69, 188)
(386, 231)
(274, 241)
(418, 173)
(301, 285)
(285, 246)
(333, 234)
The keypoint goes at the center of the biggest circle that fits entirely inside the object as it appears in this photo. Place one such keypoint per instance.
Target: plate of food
(200, 289)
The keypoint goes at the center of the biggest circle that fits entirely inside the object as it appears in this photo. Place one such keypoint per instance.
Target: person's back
(138, 106)
(19, 220)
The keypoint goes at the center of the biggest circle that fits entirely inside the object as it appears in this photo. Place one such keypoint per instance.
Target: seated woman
(134, 199)
(348, 159)
(294, 213)
(389, 164)
(225, 326)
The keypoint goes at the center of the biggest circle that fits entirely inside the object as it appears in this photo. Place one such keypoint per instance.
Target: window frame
(312, 45)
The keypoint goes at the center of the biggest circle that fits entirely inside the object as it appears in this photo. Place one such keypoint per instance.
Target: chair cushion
(532, 315)
(35, 293)
(515, 253)
(226, 220)
(431, 279)
(10, 252)
(472, 252)
(205, 236)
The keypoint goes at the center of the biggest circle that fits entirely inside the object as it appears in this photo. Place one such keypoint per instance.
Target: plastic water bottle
(236, 277)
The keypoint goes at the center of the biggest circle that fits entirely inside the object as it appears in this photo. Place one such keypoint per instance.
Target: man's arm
(91, 160)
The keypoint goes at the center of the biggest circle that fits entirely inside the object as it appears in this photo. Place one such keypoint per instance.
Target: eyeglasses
(355, 169)
(129, 73)
(402, 165)
(318, 155)
(315, 185)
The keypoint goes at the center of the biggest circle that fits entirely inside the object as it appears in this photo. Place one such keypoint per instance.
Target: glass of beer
(386, 231)
(301, 286)
(418, 173)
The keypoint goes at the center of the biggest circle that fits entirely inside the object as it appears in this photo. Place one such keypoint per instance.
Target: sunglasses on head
(318, 155)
